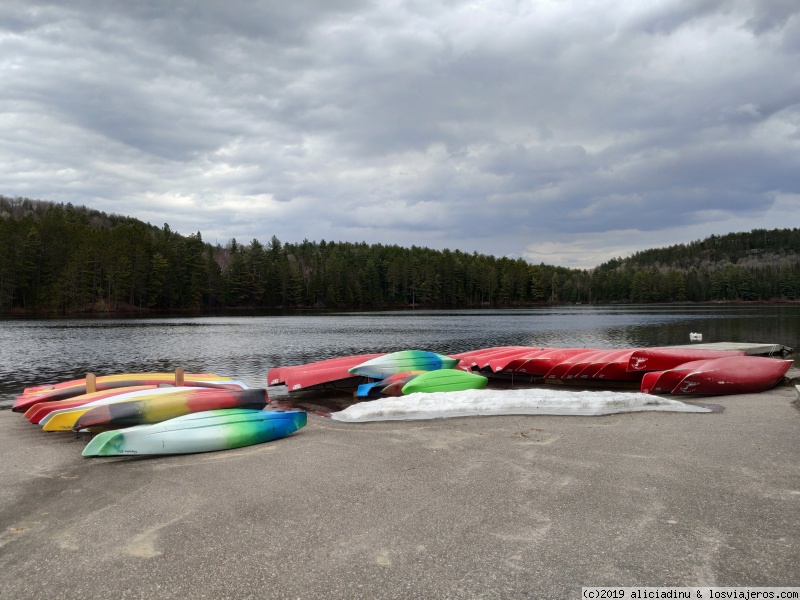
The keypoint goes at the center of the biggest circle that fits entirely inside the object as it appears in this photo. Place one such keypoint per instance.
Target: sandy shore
(492, 507)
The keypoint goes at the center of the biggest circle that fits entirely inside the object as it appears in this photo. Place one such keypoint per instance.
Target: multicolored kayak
(38, 411)
(64, 419)
(155, 409)
(77, 387)
(445, 380)
(207, 431)
(405, 360)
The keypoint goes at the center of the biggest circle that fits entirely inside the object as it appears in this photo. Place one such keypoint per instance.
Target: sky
(567, 132)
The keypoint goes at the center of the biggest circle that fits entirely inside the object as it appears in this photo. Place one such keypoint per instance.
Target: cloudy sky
(563, 131)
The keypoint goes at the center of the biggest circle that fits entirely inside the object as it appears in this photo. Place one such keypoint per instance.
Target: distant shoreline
(134, 311)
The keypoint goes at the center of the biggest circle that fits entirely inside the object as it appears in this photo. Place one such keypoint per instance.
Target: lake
(35, 351)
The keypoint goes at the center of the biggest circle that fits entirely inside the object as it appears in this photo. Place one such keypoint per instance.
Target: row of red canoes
(657, 370)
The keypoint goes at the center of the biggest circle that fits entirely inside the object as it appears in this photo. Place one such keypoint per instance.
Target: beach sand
(478, 507)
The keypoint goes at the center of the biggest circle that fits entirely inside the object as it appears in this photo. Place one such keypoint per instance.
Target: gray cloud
(519, 128)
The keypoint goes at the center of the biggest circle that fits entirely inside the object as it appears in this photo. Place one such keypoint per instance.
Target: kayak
(405, 360)
(734, 375)
(206, 431)
(38, 411)
(64, 419)
(445, 380)
(78, 387)
(155, 409)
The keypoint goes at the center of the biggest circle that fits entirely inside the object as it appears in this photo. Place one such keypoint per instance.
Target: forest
(65, 259)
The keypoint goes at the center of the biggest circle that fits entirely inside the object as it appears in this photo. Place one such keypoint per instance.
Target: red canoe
(541, 364)
(325, 373)
(560, 370)
(662, 359)
(596, 365)
(512, 362)
(617, 370)
(734, 375)
(663, 382)
(278, 375)
(473, 358)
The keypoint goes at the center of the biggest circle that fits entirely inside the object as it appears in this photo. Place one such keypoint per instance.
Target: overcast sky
(563, 131)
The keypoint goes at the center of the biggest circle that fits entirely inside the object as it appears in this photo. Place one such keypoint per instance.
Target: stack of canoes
(158, 413)
(654, 370)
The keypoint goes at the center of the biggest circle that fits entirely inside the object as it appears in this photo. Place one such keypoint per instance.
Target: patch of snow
(473, 403)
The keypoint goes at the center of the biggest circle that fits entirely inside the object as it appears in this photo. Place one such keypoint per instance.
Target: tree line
(65, 259)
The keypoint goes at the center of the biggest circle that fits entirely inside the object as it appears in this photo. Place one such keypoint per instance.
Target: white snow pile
(474, 403)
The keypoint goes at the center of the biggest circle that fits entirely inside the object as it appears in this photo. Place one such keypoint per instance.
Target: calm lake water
(35, 351)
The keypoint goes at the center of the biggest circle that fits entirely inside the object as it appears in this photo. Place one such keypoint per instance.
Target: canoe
(405, 360)
(541, 364)
(597, 364)
(108, 382)
(617, 369)
(576, 364)
(279, 375)
(734, 375)
(38, 411)
(663, 359)
(207, 431)
(663, 382)
(471, 358)
(445, 380)
(559, 370)
(489, 361)
(512, 362)
(64, 419)
(155, 409)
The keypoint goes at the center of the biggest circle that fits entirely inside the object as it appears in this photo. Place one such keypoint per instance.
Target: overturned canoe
(207, 431)
(405, 360)
(155, 409)
(445, 380)
(333, 372)
(734, 375)
(663, 382)
(662, 359)
(541, 364)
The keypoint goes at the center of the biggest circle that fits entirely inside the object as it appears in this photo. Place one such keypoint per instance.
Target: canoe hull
(734, 375)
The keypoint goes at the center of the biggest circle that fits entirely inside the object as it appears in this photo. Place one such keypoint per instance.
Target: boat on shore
(207, 431)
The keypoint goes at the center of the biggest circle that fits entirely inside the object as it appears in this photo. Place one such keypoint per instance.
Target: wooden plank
(91, 383)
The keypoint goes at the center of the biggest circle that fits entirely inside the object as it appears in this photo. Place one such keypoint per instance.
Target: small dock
(749, 348)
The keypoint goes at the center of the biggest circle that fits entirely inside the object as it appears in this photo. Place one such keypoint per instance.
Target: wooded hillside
(65, 259)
